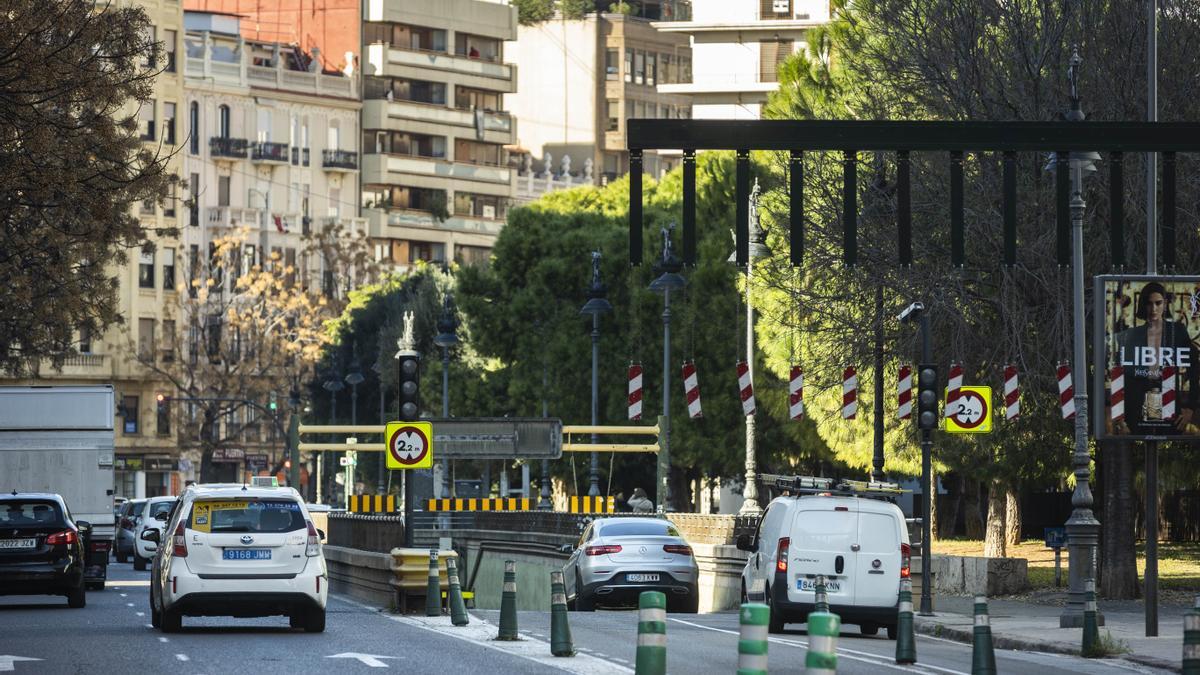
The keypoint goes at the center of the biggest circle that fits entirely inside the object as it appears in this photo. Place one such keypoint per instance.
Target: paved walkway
(1032, 625)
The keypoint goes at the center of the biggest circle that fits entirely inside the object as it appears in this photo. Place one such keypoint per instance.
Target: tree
(72, 76)
(576, 9)
(530, 12)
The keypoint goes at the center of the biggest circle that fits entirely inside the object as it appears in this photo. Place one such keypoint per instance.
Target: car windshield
(158, 508)
(640, 528)
(30, 513)
(246, 515)
(137, 508)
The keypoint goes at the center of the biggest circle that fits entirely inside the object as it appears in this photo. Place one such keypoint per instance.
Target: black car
(41, 547)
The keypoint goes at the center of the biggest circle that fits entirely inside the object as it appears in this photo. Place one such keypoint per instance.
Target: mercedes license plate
(247, 554)
(640, 578)
(18, 543)
(811, 585)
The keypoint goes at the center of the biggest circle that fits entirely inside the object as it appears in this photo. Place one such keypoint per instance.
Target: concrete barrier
(968, 575)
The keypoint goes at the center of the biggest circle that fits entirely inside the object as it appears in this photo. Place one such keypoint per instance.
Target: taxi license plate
(811, 585)
(640, 578)
(18, 543)
(247, 554)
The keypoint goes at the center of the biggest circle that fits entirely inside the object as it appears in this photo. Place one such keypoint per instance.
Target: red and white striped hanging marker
(1012, 393)
(796, 393)
(635, 391)
(904, 412)
(1168, 392)
(849, 393)
(1066, 390)
(745, 388)
(1116, 393)
(953, 384)
(691, 390)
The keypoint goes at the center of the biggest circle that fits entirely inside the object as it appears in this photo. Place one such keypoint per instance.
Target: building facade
(436, 184)
(738, 46)
(580, 80)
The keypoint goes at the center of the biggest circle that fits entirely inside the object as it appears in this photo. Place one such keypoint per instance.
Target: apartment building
(737, 46)
(436, 184)
(580, 80)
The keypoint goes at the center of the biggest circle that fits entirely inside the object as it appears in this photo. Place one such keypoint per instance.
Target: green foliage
(622, 8)
(576, 9)
(530, 12)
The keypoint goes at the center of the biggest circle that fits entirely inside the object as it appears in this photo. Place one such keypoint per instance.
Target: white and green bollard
(1191, 640)
(752, 643)
(823, 630)
(651, 656)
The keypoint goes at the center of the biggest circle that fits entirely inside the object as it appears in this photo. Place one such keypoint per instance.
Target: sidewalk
(1033, 626)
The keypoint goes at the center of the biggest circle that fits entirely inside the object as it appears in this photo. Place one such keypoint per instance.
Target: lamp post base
(1083, 536)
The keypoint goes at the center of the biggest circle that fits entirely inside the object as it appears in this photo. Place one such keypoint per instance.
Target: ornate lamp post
(353, 378)
(669, 280)
(333, 384)
(757, 250)
(596, 305)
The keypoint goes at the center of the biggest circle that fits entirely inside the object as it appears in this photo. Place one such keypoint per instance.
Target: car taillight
(781, 557)
(905, 557)
(314, 541)
(64, 537)
(179, 541)
(602, 549)
(677, 548)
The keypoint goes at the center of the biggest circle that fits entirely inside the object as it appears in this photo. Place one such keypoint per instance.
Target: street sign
(972, 411)
(498, 437)
(409, 445)
(1056, 537)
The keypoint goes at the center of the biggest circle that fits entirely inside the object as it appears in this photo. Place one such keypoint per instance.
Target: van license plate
(640, 578)
(18, 543)
(811, 585)
(247, 554)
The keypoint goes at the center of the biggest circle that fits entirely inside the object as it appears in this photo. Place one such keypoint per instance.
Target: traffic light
(163, 401)
(271, 405)
(927, 396)
(410, 385)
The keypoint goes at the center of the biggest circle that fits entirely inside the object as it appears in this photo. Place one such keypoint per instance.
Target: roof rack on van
(815, 485)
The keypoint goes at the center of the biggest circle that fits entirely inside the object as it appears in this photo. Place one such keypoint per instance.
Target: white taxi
(241, 551)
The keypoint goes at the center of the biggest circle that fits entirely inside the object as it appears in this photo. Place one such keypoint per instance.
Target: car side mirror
(84, 526)
(746, 543)
(150, 535)
(567, 548)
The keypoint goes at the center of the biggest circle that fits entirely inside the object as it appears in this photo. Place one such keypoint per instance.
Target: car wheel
(583, 603)
(296, 618)
(775, 622)
(139, 563)
(868, 628)
(891, 632)
(77, 597)
(155, 614)
(172, 620)
(314, 622)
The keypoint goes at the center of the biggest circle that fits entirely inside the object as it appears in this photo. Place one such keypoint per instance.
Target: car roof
(631, 519)
(13, 496)
(874, 504)
(162, 498)
(203, 491)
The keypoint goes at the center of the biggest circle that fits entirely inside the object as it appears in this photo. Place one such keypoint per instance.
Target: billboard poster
(1147, 360)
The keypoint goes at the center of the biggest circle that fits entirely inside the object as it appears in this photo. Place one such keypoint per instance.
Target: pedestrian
(619, 503)
(474, 53)
(640, 503)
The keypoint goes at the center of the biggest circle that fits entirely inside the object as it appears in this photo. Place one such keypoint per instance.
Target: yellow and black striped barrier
(475, 504)
(592, 504)
(372, 503)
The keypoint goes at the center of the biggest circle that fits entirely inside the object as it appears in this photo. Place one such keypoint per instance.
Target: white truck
(60, 439)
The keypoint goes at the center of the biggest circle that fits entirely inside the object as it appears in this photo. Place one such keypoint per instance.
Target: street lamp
(353, 378)
(668, 281)
(380, 486)
(294, 438)
(1083, 529)
(446, 338)
(332, 385)
(927, 421)
(596, 305)
(757, 250)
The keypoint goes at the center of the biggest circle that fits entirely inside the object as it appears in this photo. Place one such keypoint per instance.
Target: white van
(859, 543)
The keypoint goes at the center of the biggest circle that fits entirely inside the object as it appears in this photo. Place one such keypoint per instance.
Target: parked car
(618, 558)
(127, 521)
(154, 517)
(42, 549)
(236, 550)
(858, 543)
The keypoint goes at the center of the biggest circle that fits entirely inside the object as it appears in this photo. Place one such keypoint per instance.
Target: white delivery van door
(877, 583)
(822, 534)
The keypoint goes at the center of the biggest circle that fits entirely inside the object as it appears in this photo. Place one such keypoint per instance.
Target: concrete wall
(964, 575)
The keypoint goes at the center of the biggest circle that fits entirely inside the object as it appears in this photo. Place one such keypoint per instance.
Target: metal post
(544, 503)
(446, 485)
(294, 448)
(350, 467)
(1151, 577)
(664, 455)
(927, 488)
(750, 491)
(380, 487)
(328, 463)
(594, 487)
(877, 460)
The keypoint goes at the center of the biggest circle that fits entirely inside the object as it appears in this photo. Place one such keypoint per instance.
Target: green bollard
(433, 590)
(1191, 640)
(821, 599)
(458, 610)
(652, 634)
(560, 628)
(906, 644)
(983, 657)
(1091, 630)
(823, 630)
(752, 643)
(508, 603)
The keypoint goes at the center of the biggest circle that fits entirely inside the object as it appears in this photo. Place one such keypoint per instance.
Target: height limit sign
(409, 445)
(971, 413)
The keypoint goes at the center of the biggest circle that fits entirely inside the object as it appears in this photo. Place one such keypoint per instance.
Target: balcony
(300, 156)
(381, 220)
(388, 60)
(382, 169)
(229, 148)
(497, 126)
(339, 160)
(269, 153)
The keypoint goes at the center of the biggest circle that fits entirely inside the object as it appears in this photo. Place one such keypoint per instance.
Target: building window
(477, 47)
(163, 422)
(415, 145)
(169, 269)
(426, 251)
(223, 121)
(222, 190)
(169, 204)
(628, 64)
(666, 69)
(418, 38)
(612, 65)
(146, 270)
(169, 37)
(466, 98)
(146, 342)
(480, 206)
(194, 128)
(194, 204)
(169, 123)
(613, 107)
(650, 68)
(639, 67)
(85, 340)
(474, 152)
(685, 70)
(168, 342)
(475, 256)
(146, 121)
(775, 9)
(772, 54)
(130, 405)
(194, 272)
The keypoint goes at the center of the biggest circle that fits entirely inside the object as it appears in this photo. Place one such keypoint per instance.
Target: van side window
(758, 530)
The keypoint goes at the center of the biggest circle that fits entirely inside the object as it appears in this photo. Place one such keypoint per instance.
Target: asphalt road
(40, 634)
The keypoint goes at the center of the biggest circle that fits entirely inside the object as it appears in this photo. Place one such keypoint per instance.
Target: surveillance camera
(911, 312)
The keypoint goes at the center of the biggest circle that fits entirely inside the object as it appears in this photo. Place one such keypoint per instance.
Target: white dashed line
(162, 639)
(124, 595)
(129, 604)
(181, 657)
(149, 625)
(140, 613)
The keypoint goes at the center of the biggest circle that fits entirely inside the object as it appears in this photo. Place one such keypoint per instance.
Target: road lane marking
(129, 604)
(7, 660)
(124, 595)
(181, 657)
(140, 613)
(371, 660)
(162, 639)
